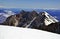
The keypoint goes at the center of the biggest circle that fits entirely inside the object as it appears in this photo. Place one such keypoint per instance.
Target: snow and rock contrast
(4, 16)
(41, 21)
(49, 19)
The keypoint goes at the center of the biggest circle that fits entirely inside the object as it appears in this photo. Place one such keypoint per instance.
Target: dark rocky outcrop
(25, 17)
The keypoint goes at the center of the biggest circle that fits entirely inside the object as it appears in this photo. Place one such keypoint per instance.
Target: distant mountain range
(54, 12)
(31, 19)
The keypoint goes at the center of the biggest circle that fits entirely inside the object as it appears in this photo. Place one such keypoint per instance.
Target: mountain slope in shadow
(34, 20)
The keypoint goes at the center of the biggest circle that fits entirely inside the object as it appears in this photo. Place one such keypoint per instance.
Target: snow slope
(49, 19)
(8, 32)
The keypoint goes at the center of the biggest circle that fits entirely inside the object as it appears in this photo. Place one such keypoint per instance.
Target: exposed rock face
(27, 17)
(34, 20)
(10, 20)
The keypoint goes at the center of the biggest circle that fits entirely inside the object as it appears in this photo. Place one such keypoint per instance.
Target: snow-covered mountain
(5, 15)
(49, 19)
(9, 12)
(41, 21)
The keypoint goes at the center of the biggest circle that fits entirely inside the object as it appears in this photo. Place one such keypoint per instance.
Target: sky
(30, 4)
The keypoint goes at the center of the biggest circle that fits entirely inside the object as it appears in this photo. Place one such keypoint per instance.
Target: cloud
(1, 6)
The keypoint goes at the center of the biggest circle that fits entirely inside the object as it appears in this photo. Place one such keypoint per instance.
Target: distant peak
(9, 12)
(49, 19)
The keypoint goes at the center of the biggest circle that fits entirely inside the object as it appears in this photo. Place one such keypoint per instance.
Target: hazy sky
(30, 4)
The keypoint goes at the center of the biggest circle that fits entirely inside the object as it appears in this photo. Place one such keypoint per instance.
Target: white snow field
(9, 32)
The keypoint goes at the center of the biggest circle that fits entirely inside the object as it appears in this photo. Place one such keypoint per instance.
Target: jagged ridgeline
(34, 20)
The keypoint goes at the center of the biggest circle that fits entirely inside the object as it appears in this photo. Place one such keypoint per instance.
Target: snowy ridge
(49, 19)
(8, 32)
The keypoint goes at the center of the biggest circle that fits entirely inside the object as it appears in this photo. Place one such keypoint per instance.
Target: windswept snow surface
(8, 32)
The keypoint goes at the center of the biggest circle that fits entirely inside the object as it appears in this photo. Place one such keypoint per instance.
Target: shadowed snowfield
(8, 32)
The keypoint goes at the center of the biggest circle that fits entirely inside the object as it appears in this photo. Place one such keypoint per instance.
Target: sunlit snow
(8, 32)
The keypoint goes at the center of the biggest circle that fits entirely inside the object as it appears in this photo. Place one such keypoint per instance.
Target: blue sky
(30, 4)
